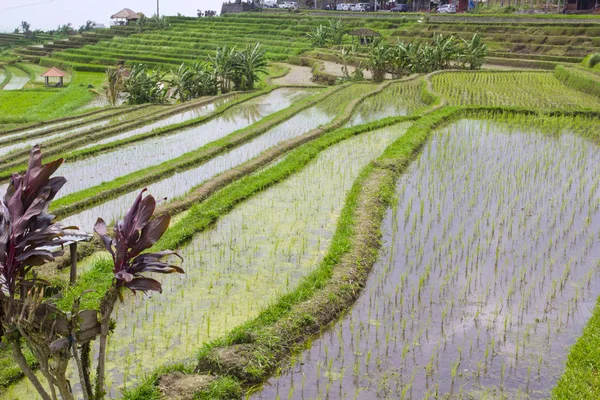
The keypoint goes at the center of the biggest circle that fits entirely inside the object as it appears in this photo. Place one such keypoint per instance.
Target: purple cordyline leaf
(35, 209)
(151, 233)
(144, 284)
(38, 176)
(134, 234)
(102, 231)
(25, 225)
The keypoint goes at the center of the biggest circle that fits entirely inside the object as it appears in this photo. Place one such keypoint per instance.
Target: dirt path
(298, 75)
(335, 69)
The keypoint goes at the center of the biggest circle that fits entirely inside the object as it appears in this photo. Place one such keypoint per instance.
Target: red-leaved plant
(27, 234)
(25, 227)
(134, 234)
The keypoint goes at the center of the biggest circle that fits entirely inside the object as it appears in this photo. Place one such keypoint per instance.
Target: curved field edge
(578, 79)
(581, 378)
(85, 198)
(250, 353)
(92, 196)
(208, 188)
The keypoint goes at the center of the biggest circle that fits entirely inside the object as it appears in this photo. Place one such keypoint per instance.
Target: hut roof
(54, 73)
(126, 13)
(364, 32)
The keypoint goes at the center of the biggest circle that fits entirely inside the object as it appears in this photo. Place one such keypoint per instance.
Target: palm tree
(380, 55)
(318, 36)
(114, 79)
(444, 51)
(141, 22)
(345, 57)
(473, 53)
(248, 64)
(223, 64)
(337, 30)
(181, 82)
(400, 59)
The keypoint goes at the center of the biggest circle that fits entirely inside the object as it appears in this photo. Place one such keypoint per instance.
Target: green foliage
(473, 52)
(224, 388)
(114, 85)
(581, 378)
(318, 36)
(579, 79)
(144, 86)
(242, 68)
(248, 63)
(591, 60)
(337, 29)
(191, 82)
(141, 23)
(380, 54)
(403, 59)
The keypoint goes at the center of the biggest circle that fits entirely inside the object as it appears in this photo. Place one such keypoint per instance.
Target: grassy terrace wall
(543, 42)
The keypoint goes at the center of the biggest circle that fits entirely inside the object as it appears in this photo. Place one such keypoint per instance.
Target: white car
(342, 7)
(447, 9)
(284, 5)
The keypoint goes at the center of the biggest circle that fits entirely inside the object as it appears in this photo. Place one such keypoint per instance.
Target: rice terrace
(281, 200)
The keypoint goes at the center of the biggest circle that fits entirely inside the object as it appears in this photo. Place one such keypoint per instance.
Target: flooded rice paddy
(88, 172)
(181, 183)
(258, 251)
(193, 113)
(402, 98)
(28, 143)
(18, 79)
(487, 274)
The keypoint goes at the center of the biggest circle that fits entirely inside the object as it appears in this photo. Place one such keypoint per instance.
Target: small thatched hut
(365, 35)
(54, 73)
(125, 15)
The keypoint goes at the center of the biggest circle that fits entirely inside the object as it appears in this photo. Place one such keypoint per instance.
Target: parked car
(342, 7)
(400, 8)
(361, 7)
(447, 9)
(368, 7)
(293, 4)
(284, 5)
(270, 4)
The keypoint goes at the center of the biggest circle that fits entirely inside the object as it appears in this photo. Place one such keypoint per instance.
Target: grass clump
(224, 388)
(581, 379)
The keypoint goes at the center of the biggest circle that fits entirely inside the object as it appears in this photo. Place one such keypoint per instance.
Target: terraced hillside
(284, 35)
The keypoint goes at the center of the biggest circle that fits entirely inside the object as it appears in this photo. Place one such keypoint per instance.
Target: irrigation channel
(181, 183)
(487, 273)
(260, 250)
(18, 79)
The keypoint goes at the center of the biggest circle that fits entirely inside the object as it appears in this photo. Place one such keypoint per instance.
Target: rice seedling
(492, 322)
(538, 90)
(402, 98)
